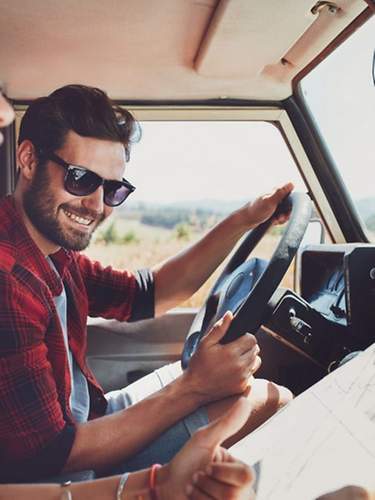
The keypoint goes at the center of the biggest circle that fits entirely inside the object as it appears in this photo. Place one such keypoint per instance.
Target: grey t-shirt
(143, 308)
(79, 397)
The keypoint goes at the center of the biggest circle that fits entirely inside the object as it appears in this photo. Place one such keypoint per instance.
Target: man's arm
(105, 441)
(35, 436)
(217, 371)
(179, 277)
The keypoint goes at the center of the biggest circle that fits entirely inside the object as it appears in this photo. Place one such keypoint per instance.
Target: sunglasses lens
(115, 193)
(81, 182)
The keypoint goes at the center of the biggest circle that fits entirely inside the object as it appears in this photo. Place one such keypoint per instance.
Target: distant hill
(170, 214)
(218, 207)
(198, 214)
(366, 207)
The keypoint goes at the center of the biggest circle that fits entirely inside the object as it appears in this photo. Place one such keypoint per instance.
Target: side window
(341, 100)
(189, 175)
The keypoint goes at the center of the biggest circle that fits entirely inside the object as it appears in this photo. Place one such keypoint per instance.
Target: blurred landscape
(142, 235)
(366, 209)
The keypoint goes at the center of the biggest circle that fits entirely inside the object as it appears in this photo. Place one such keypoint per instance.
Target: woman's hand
(205, 470)
(225, 478)
(349, 493)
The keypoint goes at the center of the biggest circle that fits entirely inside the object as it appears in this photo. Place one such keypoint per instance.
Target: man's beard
(39, 205)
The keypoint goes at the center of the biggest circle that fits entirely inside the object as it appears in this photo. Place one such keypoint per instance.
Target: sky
(341, 93)
(190, 161)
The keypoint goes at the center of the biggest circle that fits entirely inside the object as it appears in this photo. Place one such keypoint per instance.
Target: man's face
(66, 220)
(6, 115)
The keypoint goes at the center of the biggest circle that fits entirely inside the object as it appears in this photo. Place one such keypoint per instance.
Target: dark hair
(88, 111)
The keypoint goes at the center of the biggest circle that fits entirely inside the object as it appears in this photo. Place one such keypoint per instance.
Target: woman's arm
(100, 489)
(201, 466)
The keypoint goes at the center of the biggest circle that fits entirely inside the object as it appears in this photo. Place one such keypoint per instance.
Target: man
(226, 476)
(72, 153)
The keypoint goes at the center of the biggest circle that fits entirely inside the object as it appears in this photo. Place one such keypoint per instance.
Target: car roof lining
(181, 50)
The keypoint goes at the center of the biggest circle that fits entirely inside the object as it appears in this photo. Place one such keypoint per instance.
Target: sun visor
(238, 27)
(250, 38)
(331, 19)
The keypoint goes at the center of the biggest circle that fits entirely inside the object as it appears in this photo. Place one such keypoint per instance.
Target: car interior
(219, 61)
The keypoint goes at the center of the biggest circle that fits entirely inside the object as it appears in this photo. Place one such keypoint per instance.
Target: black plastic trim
(227, 102)
(8, 160)
(326, 171)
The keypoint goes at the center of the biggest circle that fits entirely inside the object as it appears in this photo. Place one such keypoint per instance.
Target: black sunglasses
(81, 181)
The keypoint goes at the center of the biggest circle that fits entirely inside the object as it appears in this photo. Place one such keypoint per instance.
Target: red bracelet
(152, 481)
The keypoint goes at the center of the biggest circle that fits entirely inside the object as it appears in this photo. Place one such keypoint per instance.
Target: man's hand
(261, 209)
(216, 370)
(203, 470)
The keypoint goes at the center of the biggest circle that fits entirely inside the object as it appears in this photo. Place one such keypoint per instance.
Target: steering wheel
(245, 286)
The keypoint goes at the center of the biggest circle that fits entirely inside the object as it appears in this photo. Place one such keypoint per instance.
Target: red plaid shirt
(37, 428)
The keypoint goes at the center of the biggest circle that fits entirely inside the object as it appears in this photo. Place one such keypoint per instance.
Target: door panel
(120, 352)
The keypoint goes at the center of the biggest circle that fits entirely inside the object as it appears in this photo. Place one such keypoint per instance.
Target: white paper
(323, 440)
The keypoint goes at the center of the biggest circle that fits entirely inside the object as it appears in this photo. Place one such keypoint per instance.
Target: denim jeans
(163, 449)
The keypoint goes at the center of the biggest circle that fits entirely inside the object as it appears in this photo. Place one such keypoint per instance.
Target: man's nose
(94, 201)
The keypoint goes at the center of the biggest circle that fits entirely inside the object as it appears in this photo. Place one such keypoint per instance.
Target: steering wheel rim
(249, 315)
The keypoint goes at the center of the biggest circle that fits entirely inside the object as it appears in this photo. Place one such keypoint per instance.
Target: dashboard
(334, 312)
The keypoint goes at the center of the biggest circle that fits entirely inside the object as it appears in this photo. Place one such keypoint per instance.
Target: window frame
(274, 114)
(343, 207)
(278, 117)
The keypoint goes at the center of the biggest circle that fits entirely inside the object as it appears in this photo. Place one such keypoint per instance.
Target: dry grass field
(148, 246)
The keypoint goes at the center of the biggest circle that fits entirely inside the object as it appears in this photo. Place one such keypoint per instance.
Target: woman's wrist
(139, 484)
(163, 486)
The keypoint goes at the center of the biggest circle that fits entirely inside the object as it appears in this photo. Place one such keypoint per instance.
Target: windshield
(189, 175)
(340, 95)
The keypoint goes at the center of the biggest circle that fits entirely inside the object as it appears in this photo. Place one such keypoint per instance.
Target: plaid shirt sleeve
(35, 437)
(115, 294)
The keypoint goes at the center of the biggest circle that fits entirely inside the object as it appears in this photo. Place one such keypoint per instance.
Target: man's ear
(26, 159)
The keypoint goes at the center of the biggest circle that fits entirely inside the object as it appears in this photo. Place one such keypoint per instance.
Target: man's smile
(82, 221)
